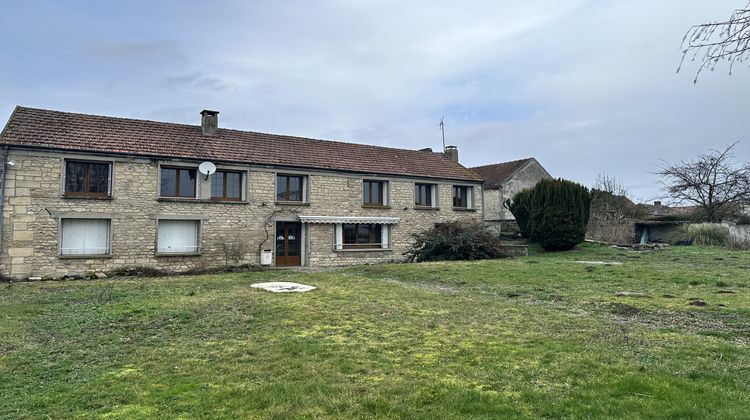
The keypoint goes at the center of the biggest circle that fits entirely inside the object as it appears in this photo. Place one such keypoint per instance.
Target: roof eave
(239, 162)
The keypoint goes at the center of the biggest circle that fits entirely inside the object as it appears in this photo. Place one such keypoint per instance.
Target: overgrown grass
(540, 336)
(708, 234)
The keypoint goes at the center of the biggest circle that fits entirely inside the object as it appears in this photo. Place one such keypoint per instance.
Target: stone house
(502, 181)
(86, 193)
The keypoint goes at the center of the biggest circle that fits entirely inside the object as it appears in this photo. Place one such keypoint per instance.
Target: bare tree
(612, 212)
(611, 185)
(716, 42)
(712, 181)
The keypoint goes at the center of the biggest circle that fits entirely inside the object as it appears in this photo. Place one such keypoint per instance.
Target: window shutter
(178, 236)
(109, 179)
(84, 237)
(385, 236)
(338, 243)
(305, 198)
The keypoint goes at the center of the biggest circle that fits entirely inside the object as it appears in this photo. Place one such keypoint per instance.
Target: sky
(585, 87)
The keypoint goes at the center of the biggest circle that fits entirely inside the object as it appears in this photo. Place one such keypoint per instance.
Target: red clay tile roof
(497, 174)
(39, 128)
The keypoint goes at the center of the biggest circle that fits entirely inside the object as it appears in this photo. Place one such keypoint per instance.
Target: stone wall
(526, 177)
(611, 230)
(739, 233)
(493, 206)
(34, 206)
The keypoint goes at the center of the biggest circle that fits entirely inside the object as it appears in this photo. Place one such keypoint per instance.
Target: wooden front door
(288, 244)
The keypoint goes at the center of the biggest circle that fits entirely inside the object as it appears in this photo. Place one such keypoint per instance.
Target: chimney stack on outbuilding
(210, 122)
(452, 153)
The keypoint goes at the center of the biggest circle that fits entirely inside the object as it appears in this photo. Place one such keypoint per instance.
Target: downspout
(500, 207)
(483, 210)
(2, 194)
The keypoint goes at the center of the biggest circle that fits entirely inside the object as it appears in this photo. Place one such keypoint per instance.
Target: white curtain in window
(84, 237)
(178, 236)
(338, 237)
(385, 236)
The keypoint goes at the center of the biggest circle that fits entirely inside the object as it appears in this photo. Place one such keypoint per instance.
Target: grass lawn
(539, 336)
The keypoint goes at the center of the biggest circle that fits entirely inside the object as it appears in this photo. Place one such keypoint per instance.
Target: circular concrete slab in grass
(283, 287)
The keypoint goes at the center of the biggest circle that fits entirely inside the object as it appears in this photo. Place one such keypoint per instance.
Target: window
(461, 197)
(363, 235)
(87, 179)
(374, 193)
(84, 237)
(226, 186)
(178, 236)
(177, 182)
(290, 187)
(354, 236)
(424, 195)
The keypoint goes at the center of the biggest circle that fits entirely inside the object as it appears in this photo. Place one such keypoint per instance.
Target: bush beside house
(554, 213)
(454, 241)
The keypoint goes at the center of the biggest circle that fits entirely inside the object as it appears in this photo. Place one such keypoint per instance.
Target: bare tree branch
(718, 42)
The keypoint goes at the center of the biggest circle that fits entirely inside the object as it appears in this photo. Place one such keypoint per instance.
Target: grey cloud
(129, 50)
(195, 81)
(585, 86)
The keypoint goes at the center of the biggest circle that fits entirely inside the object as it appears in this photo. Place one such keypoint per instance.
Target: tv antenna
(442, 129)
(206, 168)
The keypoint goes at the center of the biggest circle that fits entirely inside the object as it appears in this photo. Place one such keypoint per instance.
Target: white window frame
(199, 239)
(61, 236)
(338, 239)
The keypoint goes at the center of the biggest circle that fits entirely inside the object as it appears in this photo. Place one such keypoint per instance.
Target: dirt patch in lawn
(729, 326)
(434, 287)
(623, 309)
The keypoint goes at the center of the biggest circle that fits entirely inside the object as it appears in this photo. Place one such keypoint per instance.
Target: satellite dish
(207, 168)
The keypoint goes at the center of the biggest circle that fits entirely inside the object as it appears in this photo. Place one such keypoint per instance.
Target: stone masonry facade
(525, 177)
(34, 205)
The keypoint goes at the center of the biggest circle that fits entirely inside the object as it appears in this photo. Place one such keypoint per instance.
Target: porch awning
(349, 219)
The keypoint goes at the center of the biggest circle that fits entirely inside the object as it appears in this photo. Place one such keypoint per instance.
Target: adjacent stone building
(503, 181)
(85, 193)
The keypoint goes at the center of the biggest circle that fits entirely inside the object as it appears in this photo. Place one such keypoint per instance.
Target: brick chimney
(210, 122)
(451, 152)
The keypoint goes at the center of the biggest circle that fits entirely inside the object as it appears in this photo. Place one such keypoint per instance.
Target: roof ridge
(502, 163)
